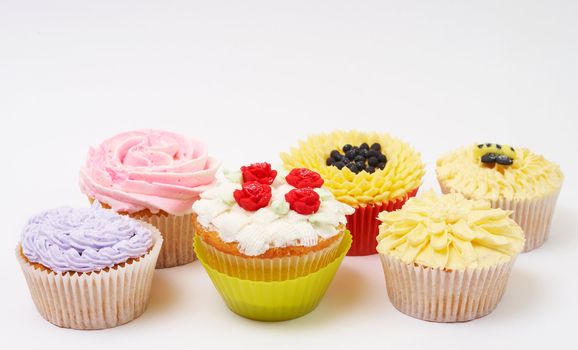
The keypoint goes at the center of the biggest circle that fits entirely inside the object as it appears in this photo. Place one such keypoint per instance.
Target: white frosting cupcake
(259, 210)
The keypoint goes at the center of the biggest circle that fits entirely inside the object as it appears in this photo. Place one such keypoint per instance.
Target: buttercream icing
(450, 232)
(83, 240)
(530, 175)
(403, 173)
(273, 226)
(148, 169)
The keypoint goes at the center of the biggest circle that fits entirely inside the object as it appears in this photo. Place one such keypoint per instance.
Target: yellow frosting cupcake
(447, 258)
(449, 232)
(512, 179)
(403, 173)
(368, 192)
(529, 176)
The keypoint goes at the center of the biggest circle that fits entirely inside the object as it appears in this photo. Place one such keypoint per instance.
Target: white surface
(251, 79)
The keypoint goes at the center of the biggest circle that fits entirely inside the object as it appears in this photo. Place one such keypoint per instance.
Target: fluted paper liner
(94, 300)
(178, 232)
(364, 225)
(272, 269)
(274, 300)
(438, 295)
(534, 215)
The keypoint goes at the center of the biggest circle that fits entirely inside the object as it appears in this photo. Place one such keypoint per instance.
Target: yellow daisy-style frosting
(402, 174)
(530, 175)
(449, 232)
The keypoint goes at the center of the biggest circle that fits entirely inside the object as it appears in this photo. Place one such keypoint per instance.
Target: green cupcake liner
(275, 300)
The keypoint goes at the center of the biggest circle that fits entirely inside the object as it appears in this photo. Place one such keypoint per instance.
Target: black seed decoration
(351, 154)
(353, 167)
(358, 158)
(373, 161)
(372, 153)
(498, 146)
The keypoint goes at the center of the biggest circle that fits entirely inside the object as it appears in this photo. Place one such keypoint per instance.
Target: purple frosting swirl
(83, 240)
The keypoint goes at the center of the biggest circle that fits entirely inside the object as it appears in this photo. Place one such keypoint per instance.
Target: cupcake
(88, 268)
(370, 172)
(271, 243)
(447, 258)
(154, 176)
(512, 179)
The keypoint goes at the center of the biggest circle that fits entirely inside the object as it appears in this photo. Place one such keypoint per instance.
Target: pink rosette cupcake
(154, 176)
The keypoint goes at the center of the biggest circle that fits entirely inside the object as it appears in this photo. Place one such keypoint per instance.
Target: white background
(251, 78)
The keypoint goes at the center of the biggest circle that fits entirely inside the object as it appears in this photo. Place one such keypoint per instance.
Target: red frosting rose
(303, 200)
(260, 172)
(302, 177)
(253, 196)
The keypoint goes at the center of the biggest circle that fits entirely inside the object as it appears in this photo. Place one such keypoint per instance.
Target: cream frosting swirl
(449, 232)
(274, 226)
(402, 174)
(529, 176)
(84, 240)
(148, 169)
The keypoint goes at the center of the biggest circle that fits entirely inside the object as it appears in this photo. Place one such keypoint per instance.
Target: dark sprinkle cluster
(358, 159)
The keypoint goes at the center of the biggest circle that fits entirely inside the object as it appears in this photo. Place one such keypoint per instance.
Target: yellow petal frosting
(402, 174)
(531, 175)
(449, 232)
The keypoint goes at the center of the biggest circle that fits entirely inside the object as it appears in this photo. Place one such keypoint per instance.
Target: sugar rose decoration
(304, 201)
(256, 191)
(260, 172)
(253, 196)
(303, 178)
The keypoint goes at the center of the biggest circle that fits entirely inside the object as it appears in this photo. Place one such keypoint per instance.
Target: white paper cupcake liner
(95, 300)
(534, 215)
(178, 233)
(444, 296)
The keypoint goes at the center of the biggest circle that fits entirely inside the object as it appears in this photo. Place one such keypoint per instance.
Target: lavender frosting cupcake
(88, 268)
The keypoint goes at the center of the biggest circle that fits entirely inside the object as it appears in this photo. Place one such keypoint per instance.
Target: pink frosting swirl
(148, 169)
